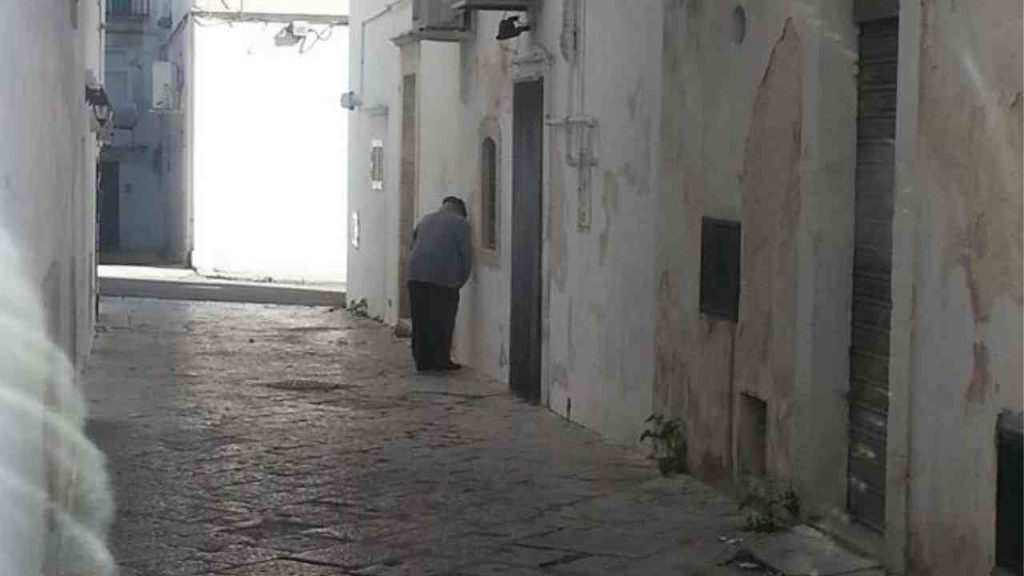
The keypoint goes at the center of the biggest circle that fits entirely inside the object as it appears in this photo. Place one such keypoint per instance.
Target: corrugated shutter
(872, 270)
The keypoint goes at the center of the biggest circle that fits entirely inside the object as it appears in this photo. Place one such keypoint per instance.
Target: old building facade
(140, 221)
(794, 225)
(53, 53)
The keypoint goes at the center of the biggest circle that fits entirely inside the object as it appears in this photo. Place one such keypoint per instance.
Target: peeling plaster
(770, 215)
(980, 383)
(558, 241)
(610, 203)
(966, 350)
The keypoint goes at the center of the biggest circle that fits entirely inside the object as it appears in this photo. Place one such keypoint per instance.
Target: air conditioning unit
(511, 5)
(436, 15)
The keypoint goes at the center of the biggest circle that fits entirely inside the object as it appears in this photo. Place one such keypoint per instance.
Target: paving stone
(804, 551)
(282, 568)
(496, 570)
(244, 439)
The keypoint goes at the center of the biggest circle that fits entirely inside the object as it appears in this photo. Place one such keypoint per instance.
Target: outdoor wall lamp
(102, 119)
(510, 28)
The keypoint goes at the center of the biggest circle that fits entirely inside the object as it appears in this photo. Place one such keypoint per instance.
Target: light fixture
(510, 28)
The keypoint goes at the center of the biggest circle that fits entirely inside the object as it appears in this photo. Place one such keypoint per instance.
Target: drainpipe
(362, 40)
(579, 127)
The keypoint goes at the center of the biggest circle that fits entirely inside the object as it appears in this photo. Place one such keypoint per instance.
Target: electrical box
(300, 29)
(720, 268)
(164, 86)
(436, 15)
(511, 5)
(377, 165)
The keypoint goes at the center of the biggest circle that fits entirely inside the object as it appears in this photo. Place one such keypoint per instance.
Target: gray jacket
(442, 250)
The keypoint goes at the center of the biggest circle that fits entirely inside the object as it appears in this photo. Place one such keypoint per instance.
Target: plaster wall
(270, 150)
(759, 128)
(376, 79)
(47, 212)
(47, 160)
(958, 285)
(177, 138)
(599, 323)
(484, 83)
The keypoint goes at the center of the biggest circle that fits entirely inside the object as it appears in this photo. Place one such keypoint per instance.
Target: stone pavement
(170, 283)
(269, 441)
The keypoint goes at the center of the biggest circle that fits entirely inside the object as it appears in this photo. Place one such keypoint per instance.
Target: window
(489, 197)
(377, 165)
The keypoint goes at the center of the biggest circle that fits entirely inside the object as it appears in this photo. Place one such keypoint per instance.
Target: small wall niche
(751, 436)
(738, 25)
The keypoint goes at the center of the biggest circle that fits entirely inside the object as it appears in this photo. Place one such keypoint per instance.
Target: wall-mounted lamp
(510, 28)
(102, 121)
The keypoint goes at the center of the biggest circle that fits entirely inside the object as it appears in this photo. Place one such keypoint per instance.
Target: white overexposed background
(270, 180)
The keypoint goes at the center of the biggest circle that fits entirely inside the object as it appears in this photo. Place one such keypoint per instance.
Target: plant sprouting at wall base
(771, 510)
(360, 308)
(668, 443)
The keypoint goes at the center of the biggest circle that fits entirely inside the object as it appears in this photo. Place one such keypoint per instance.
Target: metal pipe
(362, 41)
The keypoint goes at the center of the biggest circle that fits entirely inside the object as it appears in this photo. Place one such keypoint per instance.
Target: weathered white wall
(957, 284)
(47, 211)
(484, 107)
(270, 151)
(48, 155)
(176, 134)
(375, 73)
(599, 282)
(762, 132)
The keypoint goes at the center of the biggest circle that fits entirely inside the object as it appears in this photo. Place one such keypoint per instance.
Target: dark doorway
(872, 271)
(527, 178)
(110, 207)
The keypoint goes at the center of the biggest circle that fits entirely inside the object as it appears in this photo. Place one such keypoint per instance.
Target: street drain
(304, 385)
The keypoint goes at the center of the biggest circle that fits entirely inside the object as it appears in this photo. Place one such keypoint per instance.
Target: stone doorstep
(806, 551)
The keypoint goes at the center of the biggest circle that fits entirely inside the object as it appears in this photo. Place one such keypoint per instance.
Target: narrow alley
(534, 287)
(275, 440)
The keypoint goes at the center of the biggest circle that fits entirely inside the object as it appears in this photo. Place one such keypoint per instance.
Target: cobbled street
(273, 440)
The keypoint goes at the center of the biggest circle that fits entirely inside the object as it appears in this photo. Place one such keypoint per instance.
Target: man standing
(439, 265)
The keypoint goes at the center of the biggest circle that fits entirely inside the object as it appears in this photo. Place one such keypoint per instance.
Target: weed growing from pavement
(668, 443)
(770, 509)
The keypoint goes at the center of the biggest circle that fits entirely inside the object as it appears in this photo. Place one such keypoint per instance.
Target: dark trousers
(433, 320)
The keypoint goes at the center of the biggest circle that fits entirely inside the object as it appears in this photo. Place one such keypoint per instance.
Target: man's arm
(465, 254)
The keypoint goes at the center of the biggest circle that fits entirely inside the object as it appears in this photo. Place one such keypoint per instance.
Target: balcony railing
(128, 8)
